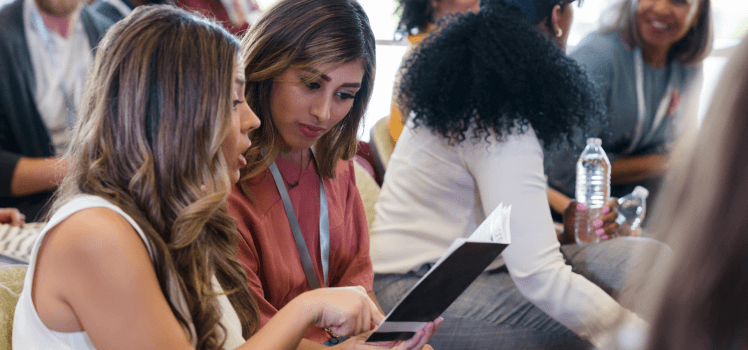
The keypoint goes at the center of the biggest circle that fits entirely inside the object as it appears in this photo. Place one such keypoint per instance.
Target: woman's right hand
(345, 311)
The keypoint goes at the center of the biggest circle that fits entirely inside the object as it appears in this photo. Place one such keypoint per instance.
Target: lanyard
(324, 228)
(41, 29)
(662, 109)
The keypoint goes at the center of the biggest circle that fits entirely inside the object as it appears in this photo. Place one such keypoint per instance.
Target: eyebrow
(327, 79)
(240, 81)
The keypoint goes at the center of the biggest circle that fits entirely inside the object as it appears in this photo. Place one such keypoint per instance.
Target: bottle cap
(594, 140)
(641, 192)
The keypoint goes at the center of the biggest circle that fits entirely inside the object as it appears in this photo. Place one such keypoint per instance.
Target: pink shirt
(267, 248)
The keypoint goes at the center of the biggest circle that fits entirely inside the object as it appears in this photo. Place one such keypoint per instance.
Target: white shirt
(30, 333)
(65, 61)
(434, 193)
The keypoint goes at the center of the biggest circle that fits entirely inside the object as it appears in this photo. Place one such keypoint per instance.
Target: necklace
(301, 161)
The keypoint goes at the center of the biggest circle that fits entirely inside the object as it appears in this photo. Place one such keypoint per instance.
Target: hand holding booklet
(463, 262)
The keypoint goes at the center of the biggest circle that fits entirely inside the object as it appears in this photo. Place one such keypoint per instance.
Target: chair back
(11, 281)
(382, 144)
(369, 190)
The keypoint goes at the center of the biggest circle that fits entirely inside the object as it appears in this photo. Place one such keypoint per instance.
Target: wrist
(308, 306)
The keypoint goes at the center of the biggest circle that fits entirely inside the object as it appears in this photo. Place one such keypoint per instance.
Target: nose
(320, 109)
(661, 6)
(249, 120)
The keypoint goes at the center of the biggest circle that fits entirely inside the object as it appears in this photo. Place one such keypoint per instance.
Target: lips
(311, 131)
(242, 161)
(659, 25)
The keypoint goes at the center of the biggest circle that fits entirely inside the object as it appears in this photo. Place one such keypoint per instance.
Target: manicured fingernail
(604, 237)
(598, 224)
(581, 207)
(605, 210)
(599, 232)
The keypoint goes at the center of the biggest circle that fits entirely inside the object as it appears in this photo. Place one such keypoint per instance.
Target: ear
(556, 14)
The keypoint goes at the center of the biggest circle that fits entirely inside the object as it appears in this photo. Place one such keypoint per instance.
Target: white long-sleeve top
(434, 193)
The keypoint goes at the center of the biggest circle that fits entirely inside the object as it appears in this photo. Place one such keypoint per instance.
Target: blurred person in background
(46, 51)
(417, 18)
(235, 15)
(642, 63)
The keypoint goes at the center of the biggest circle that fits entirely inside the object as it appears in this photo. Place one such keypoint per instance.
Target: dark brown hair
(692, 49)
(300, 34)
(149, 140)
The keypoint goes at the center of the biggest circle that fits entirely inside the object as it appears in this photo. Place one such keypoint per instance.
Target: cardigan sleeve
(511, 172)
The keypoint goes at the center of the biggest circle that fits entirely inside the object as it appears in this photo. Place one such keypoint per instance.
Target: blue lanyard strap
(324, 229)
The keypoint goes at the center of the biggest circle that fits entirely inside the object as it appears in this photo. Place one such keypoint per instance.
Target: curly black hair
(492, 72)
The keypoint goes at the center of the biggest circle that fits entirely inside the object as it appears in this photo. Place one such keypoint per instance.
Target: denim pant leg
(493, 314)
(609, 264)
(490, 314)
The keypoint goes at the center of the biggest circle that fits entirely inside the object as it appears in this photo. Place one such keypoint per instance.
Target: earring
(559, 32)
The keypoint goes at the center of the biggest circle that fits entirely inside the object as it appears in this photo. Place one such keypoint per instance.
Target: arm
(511, 172)
(102, 281)
(637, 168)
(91, 275)
(36, 175)
(558, 201)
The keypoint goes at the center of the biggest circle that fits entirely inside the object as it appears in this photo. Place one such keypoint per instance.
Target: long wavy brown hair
(149, 140)
(300, 34)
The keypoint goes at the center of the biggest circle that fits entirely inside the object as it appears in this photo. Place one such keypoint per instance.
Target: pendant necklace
(301, 161)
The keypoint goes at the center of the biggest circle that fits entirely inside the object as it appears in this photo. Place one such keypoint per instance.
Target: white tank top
(30, 333)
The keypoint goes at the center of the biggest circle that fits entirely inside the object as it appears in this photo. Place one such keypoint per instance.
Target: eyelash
(234, 104)
(342, 95)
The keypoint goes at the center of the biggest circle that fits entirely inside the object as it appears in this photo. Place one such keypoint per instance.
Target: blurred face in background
(59, 8)
(662, 23)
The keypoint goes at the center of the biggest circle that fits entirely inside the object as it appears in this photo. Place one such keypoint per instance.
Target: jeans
(493, 314)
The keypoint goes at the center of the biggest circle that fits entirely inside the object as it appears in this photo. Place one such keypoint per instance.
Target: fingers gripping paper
(463, 262)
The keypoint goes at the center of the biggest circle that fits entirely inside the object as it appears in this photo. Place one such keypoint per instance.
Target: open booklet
(463, 262)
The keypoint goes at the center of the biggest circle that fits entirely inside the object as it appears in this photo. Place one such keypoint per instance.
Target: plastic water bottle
(631, 210)
(592, 189)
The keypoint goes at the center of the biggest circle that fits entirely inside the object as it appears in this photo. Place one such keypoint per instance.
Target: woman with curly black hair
(487, 91)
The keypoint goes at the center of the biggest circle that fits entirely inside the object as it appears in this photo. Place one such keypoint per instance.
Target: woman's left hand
(418, 341)
(605, 225)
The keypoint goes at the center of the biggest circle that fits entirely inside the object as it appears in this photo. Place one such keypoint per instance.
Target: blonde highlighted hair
(149, 140)
(304, 34)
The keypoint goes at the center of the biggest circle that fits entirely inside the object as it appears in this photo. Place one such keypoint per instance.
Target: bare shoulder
(94, 233)
(91, 251)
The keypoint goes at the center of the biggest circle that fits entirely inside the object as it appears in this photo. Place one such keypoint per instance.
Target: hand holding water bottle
(592, 190)
(606, 227)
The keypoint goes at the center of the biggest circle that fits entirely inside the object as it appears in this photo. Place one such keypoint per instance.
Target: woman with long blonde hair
(140, 251)
(310, 74)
